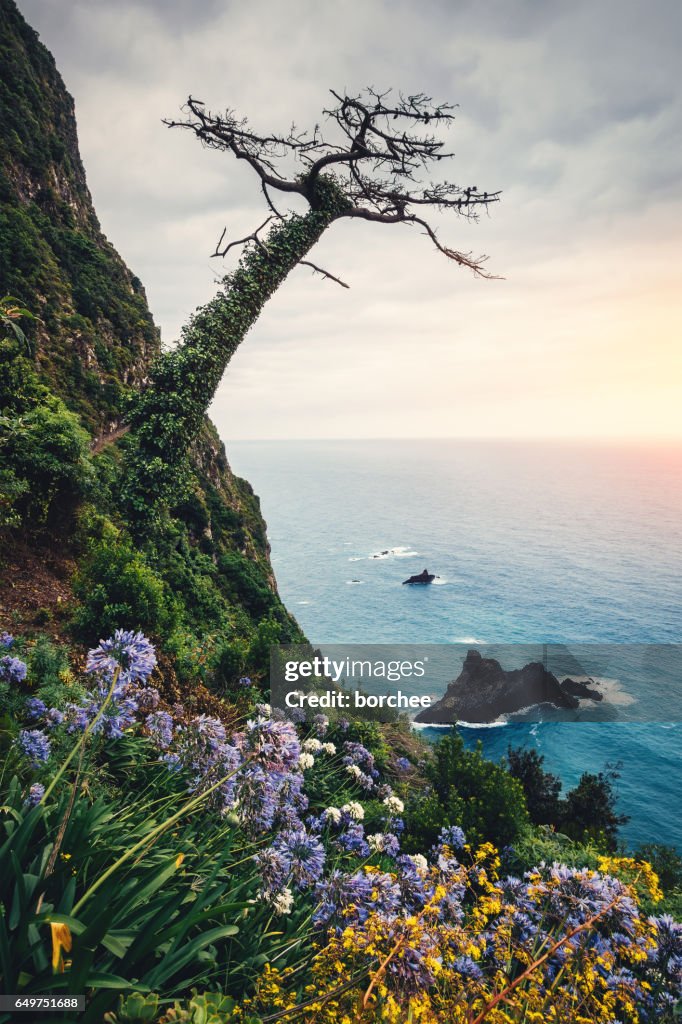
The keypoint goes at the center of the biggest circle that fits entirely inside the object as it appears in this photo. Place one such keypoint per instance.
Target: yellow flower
(179, 859)
(61, 940)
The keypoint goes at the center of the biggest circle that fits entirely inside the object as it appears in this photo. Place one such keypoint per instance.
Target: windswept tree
(374, 164)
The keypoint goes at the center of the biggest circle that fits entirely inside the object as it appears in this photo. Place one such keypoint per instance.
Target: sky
(571, 109)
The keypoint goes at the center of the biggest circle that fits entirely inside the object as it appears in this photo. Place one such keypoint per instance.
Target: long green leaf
(170, 965)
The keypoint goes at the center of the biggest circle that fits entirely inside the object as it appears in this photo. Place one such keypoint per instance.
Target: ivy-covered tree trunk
(168, 413)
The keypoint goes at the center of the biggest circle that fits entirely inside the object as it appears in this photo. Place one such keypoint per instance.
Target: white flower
(329, 748)
(283, 902)
(419, 861)
(312, 745)
(394, 804)
(376, 842)
(353, 770)
(354, 810)
(305, 761)
(264, 710)
(332, 814)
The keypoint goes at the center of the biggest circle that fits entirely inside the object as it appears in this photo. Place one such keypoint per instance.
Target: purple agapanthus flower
(35, 745)
(160, 726)
(6, 640)
(130, 652)
(119, 717)
(452, 836)
(35, 708)
(210, 732)
(403, 764)
(305, 855)
(320, 725)
(147, 698)
(12, 670)
(35, 794)
(353, 840)
(272, 744)
(54, 717)
(273, 868)
(245, 681)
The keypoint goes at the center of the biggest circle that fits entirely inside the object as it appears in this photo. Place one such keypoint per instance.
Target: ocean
(531, 543)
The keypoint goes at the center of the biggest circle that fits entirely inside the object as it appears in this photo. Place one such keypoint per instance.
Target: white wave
(430, 725)
(400, 551)
(499, 723)
(440, 581)
(356, 558)
(303, 602)
(467, 640)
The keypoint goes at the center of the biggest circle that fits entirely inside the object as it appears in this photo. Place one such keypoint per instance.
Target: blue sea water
(533, 542)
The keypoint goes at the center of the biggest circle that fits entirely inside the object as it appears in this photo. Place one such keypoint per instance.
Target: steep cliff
(204, 582)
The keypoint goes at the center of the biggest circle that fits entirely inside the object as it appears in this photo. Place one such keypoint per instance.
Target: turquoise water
(532, 543)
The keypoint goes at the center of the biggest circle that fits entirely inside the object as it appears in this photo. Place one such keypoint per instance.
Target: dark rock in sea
(484, 690)
(580, 689)
(421, 577)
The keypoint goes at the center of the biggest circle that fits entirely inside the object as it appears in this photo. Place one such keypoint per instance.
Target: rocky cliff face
(95, 337)
(92, 348)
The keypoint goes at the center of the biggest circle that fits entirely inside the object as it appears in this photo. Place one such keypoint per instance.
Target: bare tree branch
(325, 273)
(378, 158)
(269, 201)
(253, 237)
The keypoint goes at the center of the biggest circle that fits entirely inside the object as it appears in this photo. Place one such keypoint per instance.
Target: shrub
(589, 810)
(117, 589)
(541, 788)
(45, 450)
(478, 795)
(245, 584)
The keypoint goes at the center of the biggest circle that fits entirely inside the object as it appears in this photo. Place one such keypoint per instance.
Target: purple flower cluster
(352, 840)
(295, 857)
(35, 795)
(12, 670)
(202, 750)
(134, 655)
(119, 714)
(6, 640)
(35, 744)
(349, 899)
(129, 653)
(451, 836)
(160, 727)
(355, 753)
(35, 708)
(320, 725)
(360, 762)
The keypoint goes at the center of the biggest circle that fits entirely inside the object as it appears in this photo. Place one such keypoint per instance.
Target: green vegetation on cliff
(202, 584)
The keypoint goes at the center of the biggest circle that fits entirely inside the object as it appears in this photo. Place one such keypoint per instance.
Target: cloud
(573, 110)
